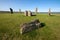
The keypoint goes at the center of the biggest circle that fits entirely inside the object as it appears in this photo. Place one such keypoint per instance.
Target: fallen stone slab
(26, 27)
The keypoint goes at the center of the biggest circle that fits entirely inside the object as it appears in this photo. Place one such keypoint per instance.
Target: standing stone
(29, 13)
(20, 10)
(11, 10)
(36, 10)
(26, 13)
(49, 13)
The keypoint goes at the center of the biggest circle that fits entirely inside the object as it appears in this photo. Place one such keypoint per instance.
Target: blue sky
(42, 5)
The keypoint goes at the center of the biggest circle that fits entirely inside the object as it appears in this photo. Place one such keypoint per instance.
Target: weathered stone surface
(49, 13)
(36, 10)
(26, 27)
(11, 10)
(29, 13)
(20, 10)
(26, 13)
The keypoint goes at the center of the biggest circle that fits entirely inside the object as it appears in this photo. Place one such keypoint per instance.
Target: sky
(42, 5)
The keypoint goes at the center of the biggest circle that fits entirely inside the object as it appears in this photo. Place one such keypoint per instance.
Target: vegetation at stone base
(10, 27)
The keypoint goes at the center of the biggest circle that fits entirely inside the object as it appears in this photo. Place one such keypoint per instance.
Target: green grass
(10, 27)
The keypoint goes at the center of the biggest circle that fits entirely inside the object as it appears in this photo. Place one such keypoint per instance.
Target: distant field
(10, 26)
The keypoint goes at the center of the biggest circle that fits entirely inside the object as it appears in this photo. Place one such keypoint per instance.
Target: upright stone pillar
(26, 13)
(20, 10)
(29, 13)
(11, 10)
(49, 12)
(36, 10)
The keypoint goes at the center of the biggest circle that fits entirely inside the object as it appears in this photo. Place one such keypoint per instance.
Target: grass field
(10, 27)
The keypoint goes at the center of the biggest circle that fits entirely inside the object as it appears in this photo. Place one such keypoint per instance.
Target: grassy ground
(10, 27)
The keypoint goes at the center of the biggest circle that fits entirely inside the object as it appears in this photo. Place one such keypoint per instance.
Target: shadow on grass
(33, 15)
(32, 34)
(52, 15)
(42, 25)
